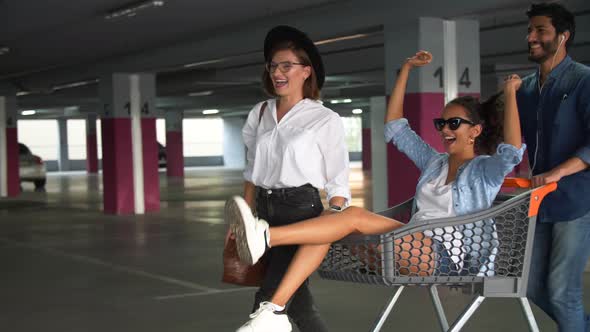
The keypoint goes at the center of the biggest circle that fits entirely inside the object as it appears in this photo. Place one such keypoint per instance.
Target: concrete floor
(68, 267)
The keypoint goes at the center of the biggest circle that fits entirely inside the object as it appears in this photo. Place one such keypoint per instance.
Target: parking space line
(213, 292)
(114, 267)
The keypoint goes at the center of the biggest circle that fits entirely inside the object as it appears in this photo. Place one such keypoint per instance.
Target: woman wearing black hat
(295, 146)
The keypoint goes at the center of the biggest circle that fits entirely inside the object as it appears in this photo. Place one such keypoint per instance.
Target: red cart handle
(537, 195)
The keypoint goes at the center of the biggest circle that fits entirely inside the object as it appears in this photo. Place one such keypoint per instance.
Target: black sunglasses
(454, 123)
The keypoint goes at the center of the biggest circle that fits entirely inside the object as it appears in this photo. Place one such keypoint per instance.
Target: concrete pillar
(129, 149)
(429, 86)
(91, 145)
(9, 156)
(63, 160)
(379, 171)
(366, 140)
(234, 153)
(174, 144)
(468, 58)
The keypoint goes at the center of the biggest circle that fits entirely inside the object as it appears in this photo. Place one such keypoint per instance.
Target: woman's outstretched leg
(329, 228)
(254, 237)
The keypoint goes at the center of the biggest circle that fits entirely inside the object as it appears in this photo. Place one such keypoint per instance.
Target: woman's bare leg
(333, 227)
(306, 260)
(415, 255)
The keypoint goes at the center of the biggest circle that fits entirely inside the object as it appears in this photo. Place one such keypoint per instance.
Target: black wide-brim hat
(284, 33)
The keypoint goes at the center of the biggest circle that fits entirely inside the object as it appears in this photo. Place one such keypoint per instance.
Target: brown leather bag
(238, 273)
(234, 271)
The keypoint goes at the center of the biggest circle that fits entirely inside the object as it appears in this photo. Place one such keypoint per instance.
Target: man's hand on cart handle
(553, 175)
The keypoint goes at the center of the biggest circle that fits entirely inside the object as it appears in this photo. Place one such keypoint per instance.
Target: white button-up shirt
(306, 146)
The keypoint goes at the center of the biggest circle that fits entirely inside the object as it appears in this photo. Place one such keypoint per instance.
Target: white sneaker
(265, 319)
(250, 232)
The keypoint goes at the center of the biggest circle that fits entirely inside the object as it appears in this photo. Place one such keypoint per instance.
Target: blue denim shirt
(477, 182)
(560, 114)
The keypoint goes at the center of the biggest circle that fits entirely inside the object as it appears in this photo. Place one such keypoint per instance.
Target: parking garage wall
(42, 138)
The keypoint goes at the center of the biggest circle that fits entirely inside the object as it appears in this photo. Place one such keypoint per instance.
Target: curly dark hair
(490, 115)
(561, 18)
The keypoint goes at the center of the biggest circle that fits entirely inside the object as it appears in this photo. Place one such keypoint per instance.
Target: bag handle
(262, 109)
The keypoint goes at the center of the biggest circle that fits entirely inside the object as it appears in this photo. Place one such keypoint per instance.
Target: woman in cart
(465, 174)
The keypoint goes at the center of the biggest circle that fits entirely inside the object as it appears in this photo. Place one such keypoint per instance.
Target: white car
(31, 167)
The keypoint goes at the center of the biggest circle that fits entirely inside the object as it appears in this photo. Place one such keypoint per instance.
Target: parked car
(161, 155)
(31, 167)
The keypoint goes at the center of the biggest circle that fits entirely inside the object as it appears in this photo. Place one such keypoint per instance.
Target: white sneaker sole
(235, 210)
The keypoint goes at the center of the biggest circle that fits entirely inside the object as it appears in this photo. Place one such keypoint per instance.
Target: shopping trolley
(487, 254)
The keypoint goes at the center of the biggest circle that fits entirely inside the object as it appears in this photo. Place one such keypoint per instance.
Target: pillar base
(174, 155)
(117, 166)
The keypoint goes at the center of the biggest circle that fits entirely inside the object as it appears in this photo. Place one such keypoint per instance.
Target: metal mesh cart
(486, 254)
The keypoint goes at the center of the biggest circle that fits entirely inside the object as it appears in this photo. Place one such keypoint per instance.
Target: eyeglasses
(284, 66)
(454, 123)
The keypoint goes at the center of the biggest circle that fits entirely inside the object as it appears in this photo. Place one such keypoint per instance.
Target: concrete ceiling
(61, 33)
(214, 47)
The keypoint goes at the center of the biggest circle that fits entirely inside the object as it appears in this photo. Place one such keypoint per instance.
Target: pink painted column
(9, 151)
(116, 165)
(523, 169)
(419, 109)
(118, 144)
(425, 94)
(174, 144)
(91, 145)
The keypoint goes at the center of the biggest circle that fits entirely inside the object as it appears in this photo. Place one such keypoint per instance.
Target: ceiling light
(4, 50)
(337, 39)
(341, 101)
(357, 111)
(75, 84)
(219, 60)
(132, 9)
(201, 93)
(23, 93)
(207, 112)
(202, 63)
(28, 112)
(71, 110)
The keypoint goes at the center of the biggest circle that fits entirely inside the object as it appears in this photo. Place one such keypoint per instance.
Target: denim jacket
(556, 126)
(478, 181)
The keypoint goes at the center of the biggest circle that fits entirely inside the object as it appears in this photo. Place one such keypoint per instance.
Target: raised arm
(395, 107)
(508, 154)
(397, 129)
(512, 134)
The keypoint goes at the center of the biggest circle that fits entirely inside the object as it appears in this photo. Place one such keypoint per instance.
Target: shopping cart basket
(487, 254)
